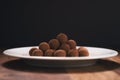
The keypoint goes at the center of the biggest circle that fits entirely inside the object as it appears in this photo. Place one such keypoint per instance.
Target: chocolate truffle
(60, 53)
(65, 47)
(62, 37)
(44, 46)
(37, 52)
(83, 51)
(49, 52)
(31, 51)
(73, 52)
(72, 43)
(54, 44)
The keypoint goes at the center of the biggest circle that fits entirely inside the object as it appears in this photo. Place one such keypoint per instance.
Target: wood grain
(15, 69)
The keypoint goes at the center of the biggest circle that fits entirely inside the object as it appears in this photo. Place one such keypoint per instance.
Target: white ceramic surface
(94, 54)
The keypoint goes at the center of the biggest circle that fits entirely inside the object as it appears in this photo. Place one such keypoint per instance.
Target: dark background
(89, 22)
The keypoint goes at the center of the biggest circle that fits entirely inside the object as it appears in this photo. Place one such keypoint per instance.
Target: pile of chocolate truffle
(60, 46)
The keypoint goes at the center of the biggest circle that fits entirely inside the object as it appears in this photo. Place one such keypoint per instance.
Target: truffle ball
(72, 44)
(83, 51)
(60, 53)
(49, 52)
(37, 52)
(62, 37)
(65, 47)
(73, 52)
(31, 51)
(44, 46)
(54, 44)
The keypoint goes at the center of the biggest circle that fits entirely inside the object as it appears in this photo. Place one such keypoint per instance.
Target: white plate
(94, 54)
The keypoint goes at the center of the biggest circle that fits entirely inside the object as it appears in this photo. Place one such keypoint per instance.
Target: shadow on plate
(101, 65)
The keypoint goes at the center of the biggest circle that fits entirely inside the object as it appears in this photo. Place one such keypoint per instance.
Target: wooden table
(15, 69)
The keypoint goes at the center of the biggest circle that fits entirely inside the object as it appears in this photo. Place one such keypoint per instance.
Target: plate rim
(5, 52)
